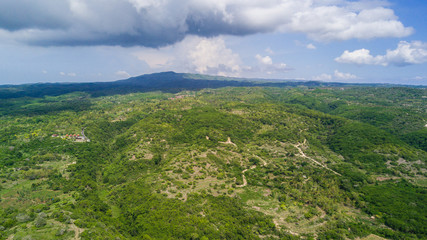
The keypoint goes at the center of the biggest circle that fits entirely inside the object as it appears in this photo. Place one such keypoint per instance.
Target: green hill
(226, 163)
(170, 82)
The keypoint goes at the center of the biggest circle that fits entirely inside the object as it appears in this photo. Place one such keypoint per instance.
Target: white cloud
(344, 76)
(310, 46)
(211, 55)
(339, 76)
(123, 74)
(67, 74)
(264, 60)
(361, 56)
(266, 65)
(206, 56)
(44, 72)
(334, 22)
(405, 54)
(194, 54)
(322, 77)
(154, 23)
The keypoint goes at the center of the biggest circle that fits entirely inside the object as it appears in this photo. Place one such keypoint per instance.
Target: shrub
(39, 222)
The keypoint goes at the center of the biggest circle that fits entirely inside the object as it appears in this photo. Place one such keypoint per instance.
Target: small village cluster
(179, 97)
(75, 137)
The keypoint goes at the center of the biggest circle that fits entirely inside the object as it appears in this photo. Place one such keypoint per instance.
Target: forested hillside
(228, 163)
(165, 81)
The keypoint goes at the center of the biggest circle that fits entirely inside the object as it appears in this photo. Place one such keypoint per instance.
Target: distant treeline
(167, 82)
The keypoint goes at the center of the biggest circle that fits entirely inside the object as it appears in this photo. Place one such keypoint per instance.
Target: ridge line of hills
(165, 81)
(303, 162)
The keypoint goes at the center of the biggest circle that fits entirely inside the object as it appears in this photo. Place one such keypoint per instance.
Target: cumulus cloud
(339, 76)
(265, 64)
(264, 60)
(194, 54)
(405, 54)
(344, 76)
(153, 23)
(323, 77)
(205, 56)
(310, 46)
(361, 56)
(212, 56)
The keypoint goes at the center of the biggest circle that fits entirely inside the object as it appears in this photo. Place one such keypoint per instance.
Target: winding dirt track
(302, 154)
(245, 182)
(77, 231)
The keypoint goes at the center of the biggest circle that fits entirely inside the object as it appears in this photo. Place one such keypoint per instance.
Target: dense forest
(290, 162)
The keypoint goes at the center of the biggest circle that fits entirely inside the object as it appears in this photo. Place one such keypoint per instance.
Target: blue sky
(327, 40)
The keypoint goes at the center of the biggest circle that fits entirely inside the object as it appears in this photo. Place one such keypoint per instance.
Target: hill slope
(229, 163)
(166, 81)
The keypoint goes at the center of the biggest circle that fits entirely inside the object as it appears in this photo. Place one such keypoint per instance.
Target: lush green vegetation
(401, 206)
(229, 163)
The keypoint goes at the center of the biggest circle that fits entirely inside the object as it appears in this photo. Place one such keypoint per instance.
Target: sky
(366, 41)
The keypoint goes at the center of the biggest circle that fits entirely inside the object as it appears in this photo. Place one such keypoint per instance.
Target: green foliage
(400, 206)
(145, 214)
(417, 139)
(159, 168)
(40, 221)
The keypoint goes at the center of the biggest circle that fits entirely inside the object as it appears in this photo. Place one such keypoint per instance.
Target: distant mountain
(164, 81)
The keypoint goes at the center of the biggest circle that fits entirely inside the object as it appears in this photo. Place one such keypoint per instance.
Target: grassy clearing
(52, 231)
(25, 193)
(422, 182)
(373, 237)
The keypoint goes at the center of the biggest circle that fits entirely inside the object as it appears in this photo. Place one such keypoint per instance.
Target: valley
(257, 162)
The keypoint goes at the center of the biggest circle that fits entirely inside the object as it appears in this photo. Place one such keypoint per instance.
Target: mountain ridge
(164, 81)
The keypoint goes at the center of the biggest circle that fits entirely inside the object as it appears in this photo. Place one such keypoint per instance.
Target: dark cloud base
(156, 24)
